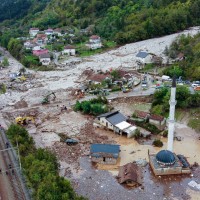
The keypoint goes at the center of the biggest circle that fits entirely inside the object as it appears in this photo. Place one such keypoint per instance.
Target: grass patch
(179, 114)
(194, 124)
(142, 106)
(84, 53)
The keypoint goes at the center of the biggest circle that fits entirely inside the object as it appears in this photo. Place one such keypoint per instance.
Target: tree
(86, 107)
(5, 62)
(115, 74)
(15, 48)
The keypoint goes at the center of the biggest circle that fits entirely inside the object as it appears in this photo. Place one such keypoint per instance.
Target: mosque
(166, 162)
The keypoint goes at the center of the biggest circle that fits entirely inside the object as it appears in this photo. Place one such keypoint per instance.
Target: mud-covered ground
(102, 185)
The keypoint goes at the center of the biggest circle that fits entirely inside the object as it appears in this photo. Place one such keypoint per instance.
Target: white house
(94, 42)
(28, 45)
(33, 32)
(70, 50)
(117, 122)
(45, 59)
(49, 31)
(144, 57)
(36, 47)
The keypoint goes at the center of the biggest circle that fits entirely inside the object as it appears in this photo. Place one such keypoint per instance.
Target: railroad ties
(11, 169)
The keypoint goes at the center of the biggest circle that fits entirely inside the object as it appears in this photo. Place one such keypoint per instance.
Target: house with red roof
(40, 52)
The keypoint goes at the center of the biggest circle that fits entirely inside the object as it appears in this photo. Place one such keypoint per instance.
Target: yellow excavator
(24, 120)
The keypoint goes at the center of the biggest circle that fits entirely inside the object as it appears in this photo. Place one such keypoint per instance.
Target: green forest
(123, 21)
(40, 167)
(189, 67)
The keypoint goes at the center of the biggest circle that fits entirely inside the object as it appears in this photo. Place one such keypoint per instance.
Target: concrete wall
(69, 52)
(148, 59)
(104, 160)
(103, 122)
(166, 170)
(158, 124)
(45, 61)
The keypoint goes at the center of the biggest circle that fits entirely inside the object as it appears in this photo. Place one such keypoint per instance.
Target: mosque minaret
(171, 121)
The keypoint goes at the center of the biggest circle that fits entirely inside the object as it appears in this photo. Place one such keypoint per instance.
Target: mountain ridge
(124, 21)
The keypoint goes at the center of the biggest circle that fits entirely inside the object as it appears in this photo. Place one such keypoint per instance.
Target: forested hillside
(121, 20)
(189, 67)
(16, 9)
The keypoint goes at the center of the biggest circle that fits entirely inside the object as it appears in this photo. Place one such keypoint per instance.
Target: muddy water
(131, 150)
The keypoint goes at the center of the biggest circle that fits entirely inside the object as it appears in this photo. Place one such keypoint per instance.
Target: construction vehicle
(125, 89)
(46, 98)
(24, 120)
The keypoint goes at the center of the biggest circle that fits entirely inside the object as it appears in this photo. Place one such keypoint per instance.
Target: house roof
(102, 149)
(123, 125)
(41, 36)
(94, 37)
(40, 52)
(46, 55)
(98, 77)
(34, 29)
(156, 117)
(69, 47)
(58, 30)
(49, 29)
(142, 54)
(141, 114)
(128, 172)
(115, 118)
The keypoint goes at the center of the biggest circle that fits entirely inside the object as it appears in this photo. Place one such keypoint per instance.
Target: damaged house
(130, 174)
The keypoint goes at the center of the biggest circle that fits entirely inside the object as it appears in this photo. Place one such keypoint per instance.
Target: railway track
(11, 169)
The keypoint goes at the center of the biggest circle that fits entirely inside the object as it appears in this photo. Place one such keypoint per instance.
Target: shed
(158, 121)
(126, 128)
(104, 153)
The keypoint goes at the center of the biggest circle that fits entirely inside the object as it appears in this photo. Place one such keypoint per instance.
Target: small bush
(137, 134)
(157, 143)
(134, 115)
(150, 127)
(116, 88)
(165, 133)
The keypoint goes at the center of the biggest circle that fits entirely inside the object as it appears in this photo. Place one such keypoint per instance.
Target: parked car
(187, 82)
(194, 85)
(71, 141)
(144, 84)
